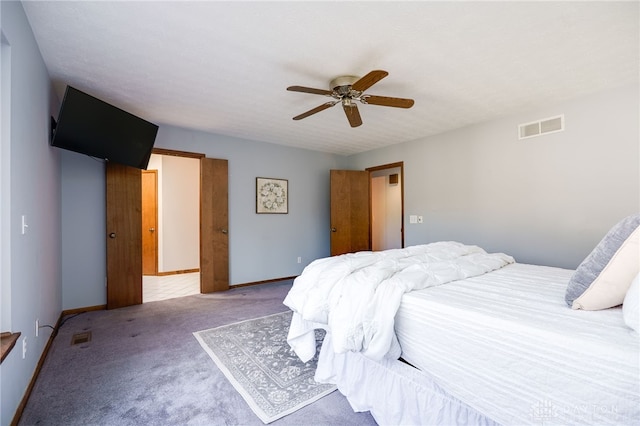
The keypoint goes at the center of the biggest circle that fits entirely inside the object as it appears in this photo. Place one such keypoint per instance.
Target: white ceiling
(223, 67)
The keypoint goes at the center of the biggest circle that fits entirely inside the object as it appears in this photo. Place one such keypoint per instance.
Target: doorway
(352, 202)
(170, 227)
(386, 209)
(124, 226)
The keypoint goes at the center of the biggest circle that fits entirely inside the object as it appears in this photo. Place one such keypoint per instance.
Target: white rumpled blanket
(355, 296)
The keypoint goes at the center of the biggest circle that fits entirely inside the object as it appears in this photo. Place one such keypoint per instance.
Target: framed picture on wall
(272, 195)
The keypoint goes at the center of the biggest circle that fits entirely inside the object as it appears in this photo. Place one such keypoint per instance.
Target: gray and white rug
(256, 358)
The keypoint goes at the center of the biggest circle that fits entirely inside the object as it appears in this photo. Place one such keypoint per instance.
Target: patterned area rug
(257, 360)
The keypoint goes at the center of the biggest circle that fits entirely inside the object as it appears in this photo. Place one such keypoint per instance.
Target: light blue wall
(266, 246)
(84, 252)
(261, 246)
(546, 200)
(35, 272)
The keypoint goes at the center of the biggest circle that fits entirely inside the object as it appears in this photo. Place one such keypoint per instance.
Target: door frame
(399, 164)
(215, 273)
(184, 154)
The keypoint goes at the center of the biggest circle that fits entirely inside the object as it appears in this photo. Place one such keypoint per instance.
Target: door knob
(152, 229)
(224, 231)
(112, 235)
(333, 229)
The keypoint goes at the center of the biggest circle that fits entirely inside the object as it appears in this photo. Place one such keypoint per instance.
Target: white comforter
(356, 295)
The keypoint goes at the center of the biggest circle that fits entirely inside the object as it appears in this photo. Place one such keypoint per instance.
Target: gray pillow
(600, 257)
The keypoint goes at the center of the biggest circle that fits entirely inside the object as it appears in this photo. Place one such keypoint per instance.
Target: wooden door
(124, 236)
(350, 230)
(214, 225)
(149, 222)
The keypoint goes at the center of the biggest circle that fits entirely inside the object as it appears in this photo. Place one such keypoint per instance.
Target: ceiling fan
(348, 89)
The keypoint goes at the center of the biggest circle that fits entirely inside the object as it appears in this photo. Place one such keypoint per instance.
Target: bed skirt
(394, 392)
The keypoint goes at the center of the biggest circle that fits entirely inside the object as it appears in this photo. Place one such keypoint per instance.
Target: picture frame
(272, 195)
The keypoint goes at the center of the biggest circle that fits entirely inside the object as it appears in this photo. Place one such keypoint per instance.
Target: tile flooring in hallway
(169, 286)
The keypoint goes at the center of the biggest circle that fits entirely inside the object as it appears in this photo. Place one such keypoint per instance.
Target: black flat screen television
(93, 127)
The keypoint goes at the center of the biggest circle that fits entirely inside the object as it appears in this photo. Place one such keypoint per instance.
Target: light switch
(24, 224)
(413, 219)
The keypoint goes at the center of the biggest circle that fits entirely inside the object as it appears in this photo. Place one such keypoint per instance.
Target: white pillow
(631, 305)
(603, 278)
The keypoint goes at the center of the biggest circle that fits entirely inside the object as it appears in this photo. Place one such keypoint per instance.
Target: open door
(214, 225)
(124, 236)
(350, 229)
(149, 222)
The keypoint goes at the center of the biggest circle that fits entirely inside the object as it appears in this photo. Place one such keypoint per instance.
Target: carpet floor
(143, 366)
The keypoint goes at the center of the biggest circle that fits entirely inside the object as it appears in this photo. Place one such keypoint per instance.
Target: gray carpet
(143, 366)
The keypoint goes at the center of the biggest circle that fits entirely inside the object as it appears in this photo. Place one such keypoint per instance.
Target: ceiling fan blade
(353, 115)
(309, 90)
(387, 101)
(369, 80)
(315, 110)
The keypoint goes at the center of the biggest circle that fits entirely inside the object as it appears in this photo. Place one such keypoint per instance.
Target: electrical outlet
(24, 348)
(37, 326)
(299, 259)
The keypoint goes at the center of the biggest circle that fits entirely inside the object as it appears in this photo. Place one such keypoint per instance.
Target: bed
(446, 333)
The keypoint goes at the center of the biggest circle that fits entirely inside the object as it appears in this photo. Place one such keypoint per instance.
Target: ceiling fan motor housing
(342, 85)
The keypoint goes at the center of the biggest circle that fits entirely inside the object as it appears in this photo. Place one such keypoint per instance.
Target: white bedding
(392, 391)
(507, 345)
(356, 295)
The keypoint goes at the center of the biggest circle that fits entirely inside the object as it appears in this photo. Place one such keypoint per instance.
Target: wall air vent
(541, 127)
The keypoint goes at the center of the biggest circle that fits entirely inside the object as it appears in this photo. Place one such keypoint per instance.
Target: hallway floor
(169, 286)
